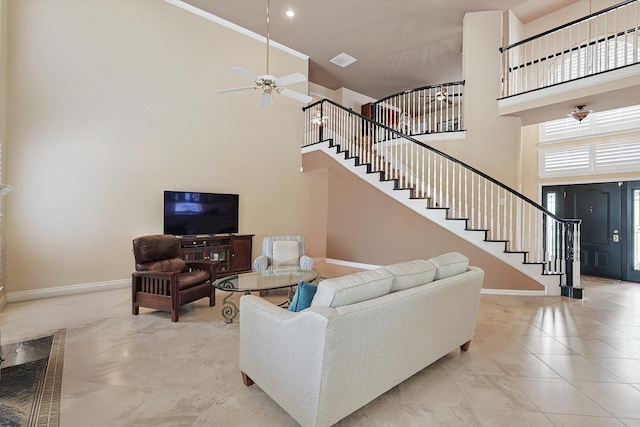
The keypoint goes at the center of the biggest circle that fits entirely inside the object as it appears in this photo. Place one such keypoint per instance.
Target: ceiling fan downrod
(267, 37)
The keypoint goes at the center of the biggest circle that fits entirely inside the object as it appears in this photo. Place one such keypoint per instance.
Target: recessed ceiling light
(343, 59)
(290, 13)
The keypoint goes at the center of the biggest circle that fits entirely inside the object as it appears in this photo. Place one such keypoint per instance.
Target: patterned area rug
(31, 380)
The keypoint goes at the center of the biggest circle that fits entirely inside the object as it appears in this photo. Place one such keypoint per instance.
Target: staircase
(459, 198)
(385, 152)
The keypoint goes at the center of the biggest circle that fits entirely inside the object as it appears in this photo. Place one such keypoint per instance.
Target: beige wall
(113, 102)
(367, 226)
(492, 142)
(319, 92)
(512, 29)
(570, 13)
(3, 133)
(350, 99)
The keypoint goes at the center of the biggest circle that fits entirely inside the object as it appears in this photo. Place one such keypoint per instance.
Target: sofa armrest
(283, 353)
(261, 263)
(306, 263)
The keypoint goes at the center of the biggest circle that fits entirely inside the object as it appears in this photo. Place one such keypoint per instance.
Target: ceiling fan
(268, 83)
(440, 96)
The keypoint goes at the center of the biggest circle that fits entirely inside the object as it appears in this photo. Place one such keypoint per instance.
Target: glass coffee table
(278, 278)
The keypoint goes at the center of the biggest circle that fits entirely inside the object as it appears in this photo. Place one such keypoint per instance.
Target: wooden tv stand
(233, 251)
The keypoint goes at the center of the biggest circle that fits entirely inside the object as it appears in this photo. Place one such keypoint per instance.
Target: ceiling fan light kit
(441, 95)
(268, 83)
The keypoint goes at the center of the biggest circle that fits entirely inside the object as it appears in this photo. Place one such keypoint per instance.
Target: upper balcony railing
(429, 109)
(601, 42)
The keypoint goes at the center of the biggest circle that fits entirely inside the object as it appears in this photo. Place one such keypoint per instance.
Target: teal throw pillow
(303, 296)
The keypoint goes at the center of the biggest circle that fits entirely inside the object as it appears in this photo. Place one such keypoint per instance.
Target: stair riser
(439, 216)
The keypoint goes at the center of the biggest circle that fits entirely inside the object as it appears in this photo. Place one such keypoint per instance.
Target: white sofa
(363, 334)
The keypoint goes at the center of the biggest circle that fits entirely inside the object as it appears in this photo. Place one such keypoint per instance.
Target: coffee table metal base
(259, 282)
(229, 309)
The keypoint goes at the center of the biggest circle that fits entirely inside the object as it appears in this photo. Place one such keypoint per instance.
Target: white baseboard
(67, 290)
(352, 264)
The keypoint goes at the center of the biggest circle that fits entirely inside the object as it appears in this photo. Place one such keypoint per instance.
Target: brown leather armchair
(164, 281)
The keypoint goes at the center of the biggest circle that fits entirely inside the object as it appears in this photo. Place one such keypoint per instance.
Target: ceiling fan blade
(290, 79)
(237, 89)
(295, 95)
(245, 73)
(265, 100)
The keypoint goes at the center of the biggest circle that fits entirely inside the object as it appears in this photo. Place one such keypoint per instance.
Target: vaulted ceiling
(398, 44)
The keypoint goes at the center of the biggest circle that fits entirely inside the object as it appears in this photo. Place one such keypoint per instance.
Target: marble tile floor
(534, 361)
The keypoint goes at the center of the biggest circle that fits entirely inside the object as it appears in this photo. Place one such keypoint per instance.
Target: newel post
(572, 288)
(321, 124)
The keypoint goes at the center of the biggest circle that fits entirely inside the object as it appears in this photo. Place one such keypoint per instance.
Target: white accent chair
(283, 251)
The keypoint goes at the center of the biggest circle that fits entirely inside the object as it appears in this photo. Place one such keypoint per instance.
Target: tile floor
(534, 361)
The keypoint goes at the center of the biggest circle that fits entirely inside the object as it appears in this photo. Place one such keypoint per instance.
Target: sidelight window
(636, 230)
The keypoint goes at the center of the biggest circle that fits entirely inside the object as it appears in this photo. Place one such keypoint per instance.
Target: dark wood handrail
(417, 89)
(603, 11)
(446, 156)
(591, 43)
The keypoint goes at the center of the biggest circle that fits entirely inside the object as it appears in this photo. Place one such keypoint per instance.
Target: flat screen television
(190, 213)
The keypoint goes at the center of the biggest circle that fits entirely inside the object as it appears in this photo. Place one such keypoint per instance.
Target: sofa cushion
(303, 296)
(193, 278)
(411, 273)
(352, 288)
(285, 252)
(450, 264)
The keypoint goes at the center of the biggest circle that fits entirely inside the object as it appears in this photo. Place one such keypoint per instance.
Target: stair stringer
(551, 283)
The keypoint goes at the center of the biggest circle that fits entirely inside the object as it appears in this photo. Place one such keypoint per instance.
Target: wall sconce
(580, 113)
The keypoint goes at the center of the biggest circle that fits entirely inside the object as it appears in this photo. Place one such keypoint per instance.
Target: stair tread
(372, 159)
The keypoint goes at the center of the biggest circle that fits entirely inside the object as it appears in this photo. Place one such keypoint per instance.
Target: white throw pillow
(411, 273)
(352, 288)
(450, 264)
(285, 252)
